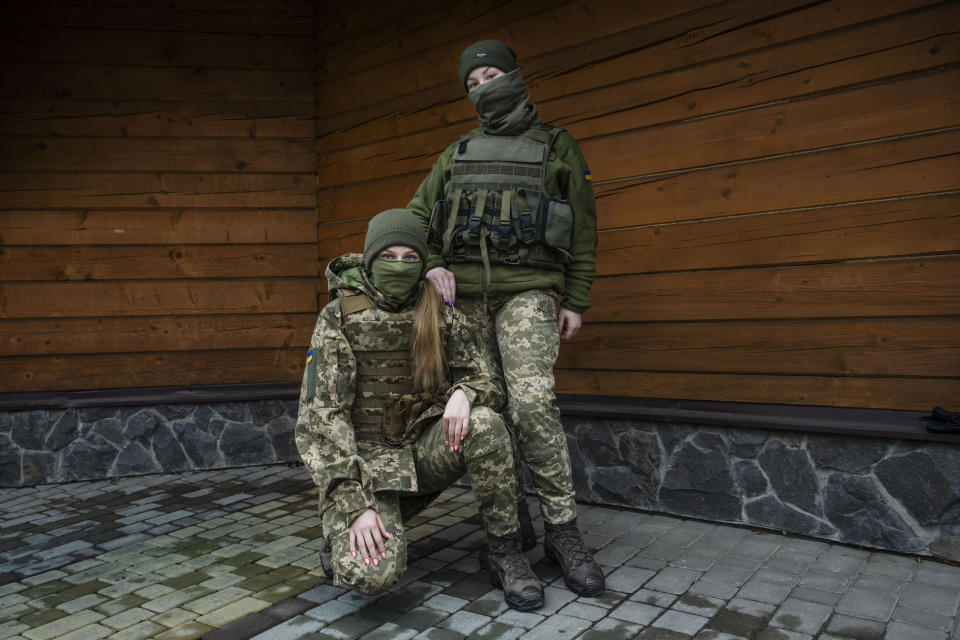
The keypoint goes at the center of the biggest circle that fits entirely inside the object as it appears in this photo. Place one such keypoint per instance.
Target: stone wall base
(63, 445)
(897, 495)
(889, 494)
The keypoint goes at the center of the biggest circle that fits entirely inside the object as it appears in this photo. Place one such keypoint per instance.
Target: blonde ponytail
(429, 362)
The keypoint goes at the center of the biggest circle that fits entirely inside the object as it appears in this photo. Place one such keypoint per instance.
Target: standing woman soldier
(397, 403)
(513, 230)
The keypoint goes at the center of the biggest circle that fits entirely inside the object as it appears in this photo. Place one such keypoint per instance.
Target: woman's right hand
(445, 283)
(367, 534)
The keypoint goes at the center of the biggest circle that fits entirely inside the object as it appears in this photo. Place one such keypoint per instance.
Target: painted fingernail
(366, 561)
(383, 554)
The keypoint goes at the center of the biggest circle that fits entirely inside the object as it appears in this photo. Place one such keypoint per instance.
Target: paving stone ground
(232, 555)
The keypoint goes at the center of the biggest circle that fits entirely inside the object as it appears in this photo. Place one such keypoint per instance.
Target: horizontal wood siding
(157, 193)
(778, 184)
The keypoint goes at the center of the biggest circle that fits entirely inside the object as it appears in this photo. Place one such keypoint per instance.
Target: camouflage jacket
(348, 470)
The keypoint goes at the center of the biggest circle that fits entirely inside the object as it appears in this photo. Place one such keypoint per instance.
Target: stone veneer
(63, 445)
(891, 494)
(898, 495)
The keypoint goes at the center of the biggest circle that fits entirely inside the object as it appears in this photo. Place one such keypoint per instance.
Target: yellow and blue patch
(587, 176)
(309, 356)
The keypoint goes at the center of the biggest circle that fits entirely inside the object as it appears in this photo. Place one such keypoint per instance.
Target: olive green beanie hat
(394, 227)
(487, 53)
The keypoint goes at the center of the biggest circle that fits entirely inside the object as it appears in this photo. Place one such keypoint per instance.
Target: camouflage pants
(485, 454)
(524, 326)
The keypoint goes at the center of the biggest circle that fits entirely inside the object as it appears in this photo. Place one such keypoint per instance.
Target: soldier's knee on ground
(368, 579)
(487, 433)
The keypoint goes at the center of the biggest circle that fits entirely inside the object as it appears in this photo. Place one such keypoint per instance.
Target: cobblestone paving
(230, 555)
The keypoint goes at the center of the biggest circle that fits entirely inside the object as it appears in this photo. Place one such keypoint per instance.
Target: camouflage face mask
(395, 279)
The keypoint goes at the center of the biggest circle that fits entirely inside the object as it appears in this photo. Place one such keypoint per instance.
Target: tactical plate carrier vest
(497, 209)
(385, 403)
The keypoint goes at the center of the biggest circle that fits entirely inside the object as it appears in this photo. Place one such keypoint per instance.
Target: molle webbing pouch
(403, 427)
(395, 423)
(384, 396)
(497, 209)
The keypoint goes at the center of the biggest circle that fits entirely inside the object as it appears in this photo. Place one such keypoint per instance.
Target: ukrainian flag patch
(310, 378)
(587, 176)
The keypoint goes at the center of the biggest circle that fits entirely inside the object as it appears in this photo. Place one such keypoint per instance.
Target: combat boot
(510, 570)
(563, 545)
(528, 535)
(326, 560)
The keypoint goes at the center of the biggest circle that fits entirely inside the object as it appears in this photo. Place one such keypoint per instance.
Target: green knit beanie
(487, 53)
(394, 227)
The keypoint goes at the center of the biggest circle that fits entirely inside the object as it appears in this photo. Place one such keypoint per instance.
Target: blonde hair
(427, 353)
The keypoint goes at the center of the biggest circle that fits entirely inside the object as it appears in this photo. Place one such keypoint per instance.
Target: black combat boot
(562, 544)
(528, 535)
(326, 560)
(510, 570)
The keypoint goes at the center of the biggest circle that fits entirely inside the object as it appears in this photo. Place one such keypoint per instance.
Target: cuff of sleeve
(576, 308)
(353, 515)
(435, 261)
(350, 497)
(472, 394)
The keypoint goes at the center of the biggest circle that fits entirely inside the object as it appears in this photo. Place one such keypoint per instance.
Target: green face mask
(503, 105)
(396, 279)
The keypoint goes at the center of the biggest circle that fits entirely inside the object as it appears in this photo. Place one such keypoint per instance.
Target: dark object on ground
(942, 421)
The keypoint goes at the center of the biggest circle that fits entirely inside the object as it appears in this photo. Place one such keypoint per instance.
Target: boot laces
(571, 543)
(514, 561)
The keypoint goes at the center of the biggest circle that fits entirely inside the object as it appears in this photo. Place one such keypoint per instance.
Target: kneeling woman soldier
(396, 405)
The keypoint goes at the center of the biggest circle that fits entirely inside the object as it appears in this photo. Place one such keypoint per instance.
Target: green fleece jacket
(566, 179)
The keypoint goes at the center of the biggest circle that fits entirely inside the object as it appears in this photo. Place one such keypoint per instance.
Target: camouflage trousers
(524, 326)
(486, 454)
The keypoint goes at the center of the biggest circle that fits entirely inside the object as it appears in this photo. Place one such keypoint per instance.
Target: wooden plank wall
(777, 181)
(157, 192)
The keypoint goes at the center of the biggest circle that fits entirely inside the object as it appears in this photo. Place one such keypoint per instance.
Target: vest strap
(355, 301)
(368, 403)
(384, 387)
(383, 355)
(541, 135)
(365, 418)
(365, 433)
(553, 133)
(451, 222)
(476, 219)
(370, 370)
(504, 227)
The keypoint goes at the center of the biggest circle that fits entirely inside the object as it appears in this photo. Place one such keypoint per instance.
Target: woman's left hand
(367, 533)
(456, 419)
(568, 323)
